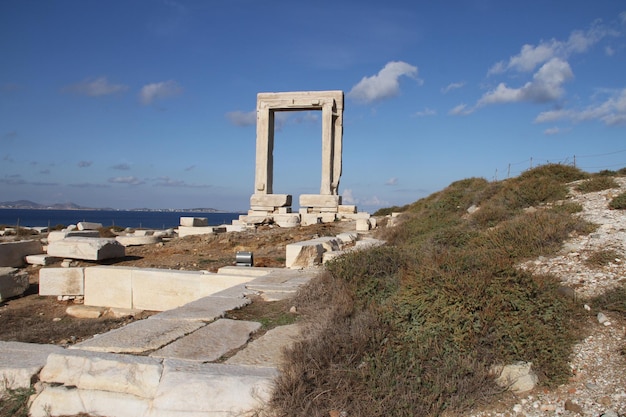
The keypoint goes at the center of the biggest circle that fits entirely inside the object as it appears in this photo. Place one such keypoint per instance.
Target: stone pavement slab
(19, 362)
(210, 342)
(205, 309)
(140, 337)
(268, 349)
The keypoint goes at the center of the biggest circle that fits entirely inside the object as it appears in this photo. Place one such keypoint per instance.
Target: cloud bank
(383, 85)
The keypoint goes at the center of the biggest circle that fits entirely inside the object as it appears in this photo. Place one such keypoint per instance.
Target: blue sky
(141, 103)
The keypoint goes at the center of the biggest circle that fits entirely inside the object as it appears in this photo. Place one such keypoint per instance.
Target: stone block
(127, 374)
(20, 362)
(329, 256)
(194, 221)
(66, 401)
(160, 289)
(91, 249)
(362, 225)
(85, 312)
(347, 237)
(61, 281)
(184, 231)
(108, 286)
(89, 226)
(41, 259)
(271, 200)
(62, 234)
(346, 209)
(283, 210)
(303, 254)
(193, 389)
(287, 220)
(205, 309)
(12, 254)
(268, 349)
(139, 240)
(12, 282)
(319, 200)
(328, 217)
(309, 219)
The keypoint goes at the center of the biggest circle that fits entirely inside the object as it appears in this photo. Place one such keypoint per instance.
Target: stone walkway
(167, 365)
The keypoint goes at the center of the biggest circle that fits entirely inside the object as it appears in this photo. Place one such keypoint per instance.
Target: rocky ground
(598, 363)
(35, 319)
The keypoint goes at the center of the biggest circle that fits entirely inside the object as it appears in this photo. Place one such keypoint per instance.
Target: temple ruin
(323, 206)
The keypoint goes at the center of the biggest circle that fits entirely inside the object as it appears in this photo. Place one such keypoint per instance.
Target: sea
(133, 219)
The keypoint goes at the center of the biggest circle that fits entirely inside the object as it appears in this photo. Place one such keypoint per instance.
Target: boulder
(12, 254)
(91, 249)
(12, 283)
(517, 377)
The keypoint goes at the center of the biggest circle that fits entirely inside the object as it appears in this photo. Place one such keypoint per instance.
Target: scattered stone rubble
(598, 385)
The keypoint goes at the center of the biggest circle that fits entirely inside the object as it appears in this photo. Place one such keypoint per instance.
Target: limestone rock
(12, 254)
(61, 281)
(12, 283)
(517, 377)
(91, 249)
(89, 226)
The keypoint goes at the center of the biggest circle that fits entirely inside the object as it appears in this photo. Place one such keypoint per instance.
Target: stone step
(20, 362)
(267, 350)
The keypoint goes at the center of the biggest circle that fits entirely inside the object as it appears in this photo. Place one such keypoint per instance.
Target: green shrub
(619, 202)
(597, 183)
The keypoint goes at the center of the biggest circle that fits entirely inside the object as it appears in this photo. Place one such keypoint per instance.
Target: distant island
(30, 205)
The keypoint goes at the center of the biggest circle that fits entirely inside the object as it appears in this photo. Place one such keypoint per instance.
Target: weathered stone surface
(270, 200)
(159, 290)
(517, 377)
(131, 240)
(140, 336)
(363, 225)
(348, 237)
(211, 342)
(109, 286)
(184, 231)
(194, 221)
(346, 209)
(57, 235)
(191, 389)
(310, 218)
(85, 312)
(268, 349)
(303, 254)
(128, 374)
(89, 226)
(287, 220)
(205, 309)
(20, 362)
(66, 401)
(319, 201)
(92, 249)
(61, 281)
(41, 259)
(12, 254)
(12, 282)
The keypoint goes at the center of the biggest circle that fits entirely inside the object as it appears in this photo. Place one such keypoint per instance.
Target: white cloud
(546, 86)
(239, 118)
(609, 51)
(131, 180)
(452, 86)
(383, 85)
(426, 112)
(611, 112)
(532, 56)
(392, 181)
(96, 88)
(461, 110)
(552, 131)
(156, 91)
(347, 197)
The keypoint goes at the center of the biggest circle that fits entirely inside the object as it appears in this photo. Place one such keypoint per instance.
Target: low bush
(414, 327)
(597, 183)
(602, 257)
(619, 202)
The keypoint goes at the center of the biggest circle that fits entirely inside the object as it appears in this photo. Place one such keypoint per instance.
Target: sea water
(134, 218)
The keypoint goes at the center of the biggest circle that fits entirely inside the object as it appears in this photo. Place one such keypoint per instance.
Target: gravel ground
(598, 383)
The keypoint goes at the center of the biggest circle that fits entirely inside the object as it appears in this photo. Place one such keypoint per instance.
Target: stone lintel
(320, 201)
(273, 200)
(301, 100)
(346, 209)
